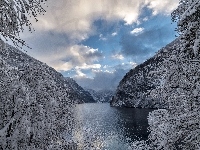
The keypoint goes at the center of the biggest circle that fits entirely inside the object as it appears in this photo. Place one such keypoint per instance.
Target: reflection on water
(99, 126)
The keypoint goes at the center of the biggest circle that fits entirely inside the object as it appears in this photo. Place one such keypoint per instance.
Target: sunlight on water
(101, 127)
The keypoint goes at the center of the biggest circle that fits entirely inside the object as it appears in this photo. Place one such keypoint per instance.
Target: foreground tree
(179, 126)
(188, 14)
(36, 104)
(14, 16)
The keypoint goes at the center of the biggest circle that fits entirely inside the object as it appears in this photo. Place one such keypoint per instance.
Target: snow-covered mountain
(35, 102)
(102, 96)
(84, 95)
(178, 126)
(141, 86)
(25, 63)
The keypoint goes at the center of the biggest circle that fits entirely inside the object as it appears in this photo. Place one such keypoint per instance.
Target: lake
(99, 126)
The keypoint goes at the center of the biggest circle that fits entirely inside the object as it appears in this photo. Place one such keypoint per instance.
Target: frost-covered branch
(14, 16)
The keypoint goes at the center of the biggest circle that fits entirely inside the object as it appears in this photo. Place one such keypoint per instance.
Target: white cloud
(76, 17)
(80, 74)
(105, 66)
(91, 50)
(76, 20)
(162, 6)
(137, 31)
(101, 37)
(118, 56)
(138, 22)
(102, 79)
(145, 18)
(76, 56)
(86, 66)
(64, 66)
(107, 77)
(133, 64)
(114, 33)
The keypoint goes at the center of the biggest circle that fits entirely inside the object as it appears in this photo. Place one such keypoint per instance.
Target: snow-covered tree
(188, 15)
(14, 16)
(178, 127)
(35, 104)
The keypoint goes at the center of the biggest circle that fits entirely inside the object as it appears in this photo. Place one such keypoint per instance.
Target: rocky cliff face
(141, 87)
(102, 96)
(35, 102)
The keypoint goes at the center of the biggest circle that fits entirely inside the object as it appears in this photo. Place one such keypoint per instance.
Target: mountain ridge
(20, 60)
(36, 102)
(101, 96)
(139, 86)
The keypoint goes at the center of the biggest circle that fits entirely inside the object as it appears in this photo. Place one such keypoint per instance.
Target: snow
(177, 126)
(35, 105)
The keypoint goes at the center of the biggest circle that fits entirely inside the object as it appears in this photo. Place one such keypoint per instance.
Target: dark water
(99, 126)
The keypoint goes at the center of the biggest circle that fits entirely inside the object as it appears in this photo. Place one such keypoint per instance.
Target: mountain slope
(102, 96)
(25, 63)
(141, 86)
(84, 95)
(35, 102)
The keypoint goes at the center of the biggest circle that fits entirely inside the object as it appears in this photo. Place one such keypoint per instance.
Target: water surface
(99, 126)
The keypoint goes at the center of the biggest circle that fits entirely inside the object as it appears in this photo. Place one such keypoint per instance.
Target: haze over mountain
(102, 96)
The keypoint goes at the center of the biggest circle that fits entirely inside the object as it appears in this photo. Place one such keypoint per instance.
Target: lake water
(99, 126)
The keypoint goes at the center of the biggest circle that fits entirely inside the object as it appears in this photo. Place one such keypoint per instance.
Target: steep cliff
(35, 102)
(141, 86)
(178, 126)
(84, 95)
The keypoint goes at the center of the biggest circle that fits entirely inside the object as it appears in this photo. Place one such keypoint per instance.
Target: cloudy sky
(98, 42)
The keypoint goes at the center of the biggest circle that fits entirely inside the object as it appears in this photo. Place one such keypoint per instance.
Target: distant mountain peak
(101, 96)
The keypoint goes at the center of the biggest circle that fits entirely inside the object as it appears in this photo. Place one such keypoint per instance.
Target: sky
(98, 42)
